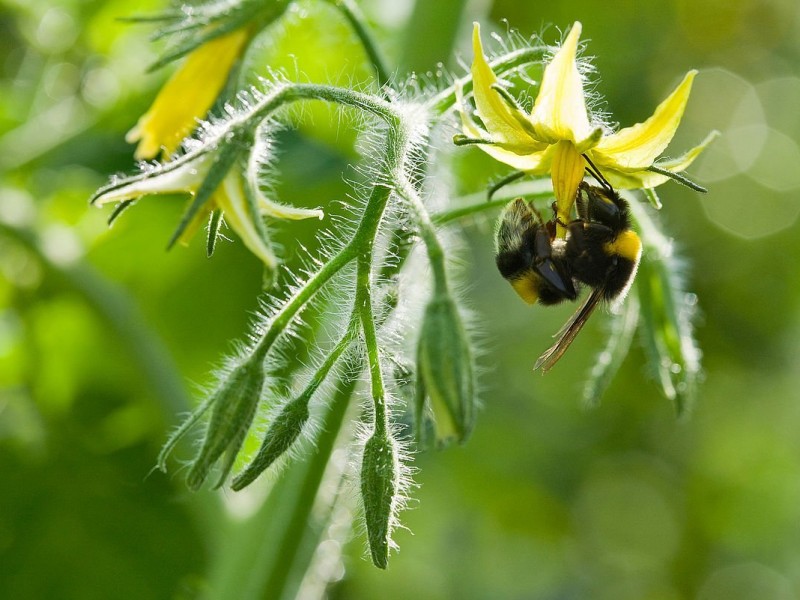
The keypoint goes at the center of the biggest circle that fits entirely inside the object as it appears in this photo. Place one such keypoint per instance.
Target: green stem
(427, 233)
(355, 17)
(260, 558)
(472, 209)
(365, 312)
(396, 151)
(294, 305)
(446, 99)
(268, 562)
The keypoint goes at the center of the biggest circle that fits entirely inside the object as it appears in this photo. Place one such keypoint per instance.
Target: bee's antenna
(595, 172)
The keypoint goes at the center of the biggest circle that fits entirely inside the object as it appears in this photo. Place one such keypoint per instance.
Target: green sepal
(667, 314)
(652, 198)
(214, 223)
(183, 429)
(678, 178)
(192, 42)
(255, 214)
(379, 483)
(224, 158)
(520, 114)
(258, 13)
(608, 361)
(118, 210)
(503, 182)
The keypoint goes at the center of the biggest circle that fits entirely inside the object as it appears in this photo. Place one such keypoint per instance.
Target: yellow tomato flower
(558, 135)
(187, 174)
(187, 96)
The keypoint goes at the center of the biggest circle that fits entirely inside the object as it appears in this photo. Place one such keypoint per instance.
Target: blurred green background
(104, 336)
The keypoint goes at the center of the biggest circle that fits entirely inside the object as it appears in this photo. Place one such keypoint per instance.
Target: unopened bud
(280, 436)
(235, 405)
(379, 486)
(445, 371)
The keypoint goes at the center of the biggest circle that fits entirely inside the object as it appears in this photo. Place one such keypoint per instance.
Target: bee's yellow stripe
(627, 245)
(527, 286)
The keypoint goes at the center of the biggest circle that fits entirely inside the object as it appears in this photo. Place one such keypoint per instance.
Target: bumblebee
(526, 256)
(600, 250)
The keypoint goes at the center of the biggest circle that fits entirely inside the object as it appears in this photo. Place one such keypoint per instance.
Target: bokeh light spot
(745, 208)
(777, 166)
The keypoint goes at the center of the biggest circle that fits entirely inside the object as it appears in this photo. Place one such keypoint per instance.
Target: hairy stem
(364, 308)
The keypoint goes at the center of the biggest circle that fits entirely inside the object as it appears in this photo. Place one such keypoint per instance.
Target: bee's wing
(569, 331)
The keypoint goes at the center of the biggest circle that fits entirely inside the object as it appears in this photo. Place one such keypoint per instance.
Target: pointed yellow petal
(630, 180)
(637, 147)
(232, 201)
(532, 162)
(536, 163)
(566, 172)
(559, 112)
(502, 121)
(676, 165)
(187, 96)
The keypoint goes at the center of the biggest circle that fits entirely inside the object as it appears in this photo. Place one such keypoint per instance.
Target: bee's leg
(582, 202)
(556, 218)
(501, 183)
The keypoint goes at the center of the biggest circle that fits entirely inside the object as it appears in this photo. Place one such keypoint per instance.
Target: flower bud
(379, 486)
(235, 405)
(445, 371)
(280, 436)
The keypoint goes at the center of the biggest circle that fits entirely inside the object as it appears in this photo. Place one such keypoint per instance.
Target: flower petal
(559, 112)
(504, 122)
(636, 147)
(231, 199)
(533, 162)
(566, 172)
(676, 165)
(629, 180)
(187, 96)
